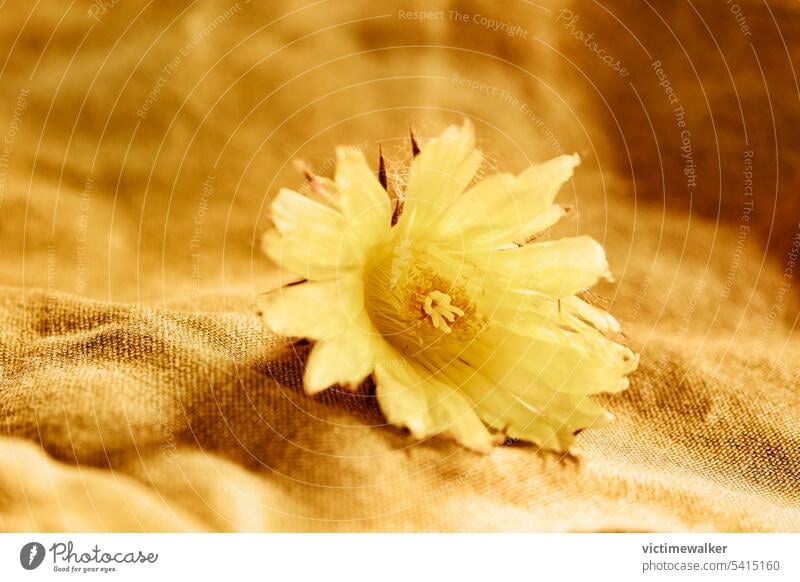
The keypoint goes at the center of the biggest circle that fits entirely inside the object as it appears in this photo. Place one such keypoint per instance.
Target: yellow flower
(466, 329)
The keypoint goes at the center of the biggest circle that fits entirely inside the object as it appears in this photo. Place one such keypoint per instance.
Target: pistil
(438, 306)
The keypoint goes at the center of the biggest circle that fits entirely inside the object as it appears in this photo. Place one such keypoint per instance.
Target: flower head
(468, 326)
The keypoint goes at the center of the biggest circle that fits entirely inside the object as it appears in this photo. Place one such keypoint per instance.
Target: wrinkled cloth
(198, 421)
(140, 391)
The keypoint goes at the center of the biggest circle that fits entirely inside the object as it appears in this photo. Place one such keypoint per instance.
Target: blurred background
(141, 143)
(116, 114)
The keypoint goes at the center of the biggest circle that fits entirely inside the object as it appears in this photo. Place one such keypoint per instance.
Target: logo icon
(31, 555)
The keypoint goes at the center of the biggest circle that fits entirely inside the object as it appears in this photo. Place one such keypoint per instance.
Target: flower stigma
(437, 305)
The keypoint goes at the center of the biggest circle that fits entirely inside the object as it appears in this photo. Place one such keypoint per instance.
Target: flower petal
(501, 410)
(537, 415)
(539, 184)
(558, 268)
(439, 174)
(304, 310)
(576, 365)
(309, 237)
(411, 397)
(540, 223)
(293, 213)
(502, 209)
(598, 318)
(364, 202)
(306, 258)
(346, 359)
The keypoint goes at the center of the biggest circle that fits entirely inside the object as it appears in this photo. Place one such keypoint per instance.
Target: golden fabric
(138, 388)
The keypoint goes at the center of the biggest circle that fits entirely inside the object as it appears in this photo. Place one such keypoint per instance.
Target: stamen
(437, 305)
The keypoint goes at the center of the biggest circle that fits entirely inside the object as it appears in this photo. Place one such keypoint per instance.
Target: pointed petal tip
(467, 127)
(463, 134)
(313, 390)
(342, 151)
(484, 447)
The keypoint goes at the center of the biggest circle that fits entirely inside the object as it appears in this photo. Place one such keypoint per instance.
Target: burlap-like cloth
(139, 391)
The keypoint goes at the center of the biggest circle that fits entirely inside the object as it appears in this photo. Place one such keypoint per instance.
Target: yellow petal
(411, 397)
(474, 221)
(535, 414)
(536, 190)
(345, 359)
(309, 237)
(527, 313)
(439, 174)
(364, 202)
(294, 213)
(575, 365)
(557, 268)
(538, 185)
(305, 310)
(539, 223)
(308, 258)
(501, 410)
(598, 318)
(402, 398)
(502, 209)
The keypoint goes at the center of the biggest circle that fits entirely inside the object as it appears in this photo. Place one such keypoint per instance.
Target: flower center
(418, 299)
(437, 305)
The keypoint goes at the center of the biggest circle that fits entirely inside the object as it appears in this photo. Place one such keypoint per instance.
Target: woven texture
(139, 390)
